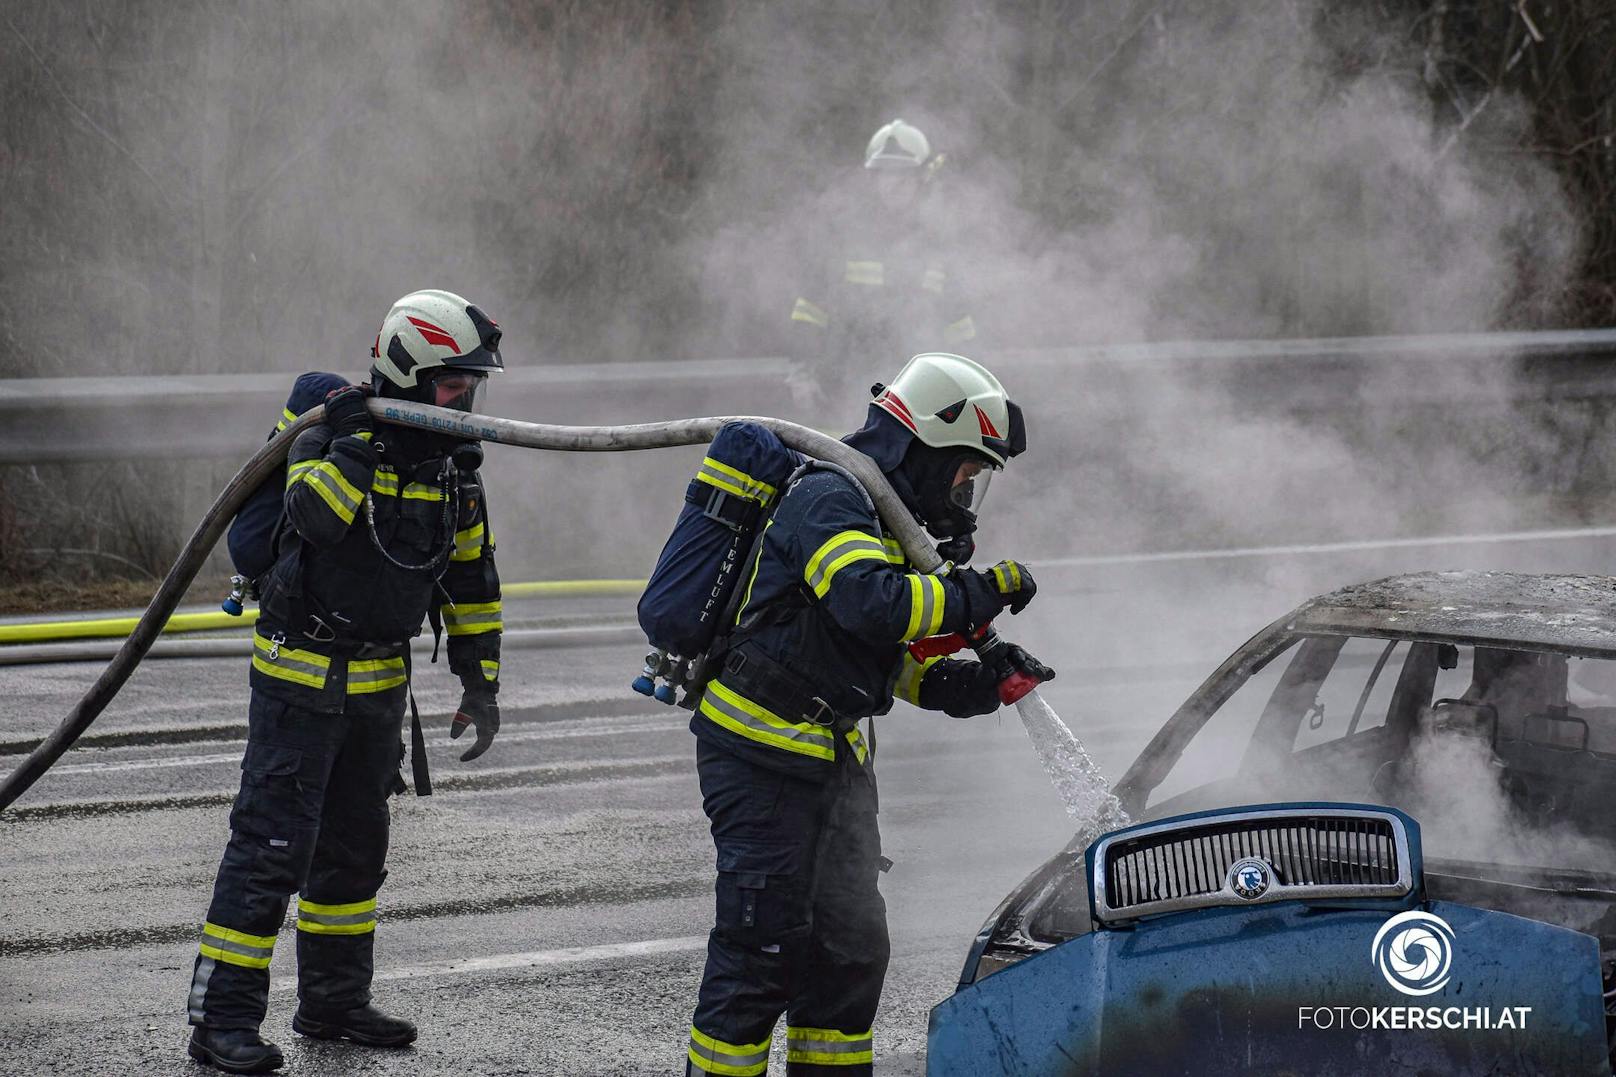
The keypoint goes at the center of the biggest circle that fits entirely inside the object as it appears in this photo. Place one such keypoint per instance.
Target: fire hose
(897, 519)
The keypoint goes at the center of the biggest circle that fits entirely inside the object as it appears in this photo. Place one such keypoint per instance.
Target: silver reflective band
(199, 988)
(928, 602)
(272, 654)
(828, 559)
(787, 730)
(323, 479)
(216, 943)
(344, 918)
(724, 1058)
(830, 1047)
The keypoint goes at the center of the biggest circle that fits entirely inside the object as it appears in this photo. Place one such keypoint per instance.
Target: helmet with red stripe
(435, 348)
(949, 401)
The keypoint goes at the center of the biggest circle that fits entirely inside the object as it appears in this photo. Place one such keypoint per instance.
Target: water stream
(1077, 779)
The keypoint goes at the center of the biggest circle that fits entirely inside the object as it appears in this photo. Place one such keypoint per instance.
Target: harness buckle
(319, 631)
(822, 714)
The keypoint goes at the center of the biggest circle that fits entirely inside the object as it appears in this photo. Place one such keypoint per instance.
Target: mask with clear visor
(451, 388)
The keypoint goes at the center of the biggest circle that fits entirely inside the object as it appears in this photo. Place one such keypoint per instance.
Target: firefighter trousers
(800, 927)
(311, 818)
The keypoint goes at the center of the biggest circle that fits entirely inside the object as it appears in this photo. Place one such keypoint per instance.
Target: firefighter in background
(787, 776)
(378, 526)
(887, 292)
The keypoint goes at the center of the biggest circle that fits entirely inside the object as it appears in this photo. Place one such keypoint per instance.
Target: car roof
(1537, 612)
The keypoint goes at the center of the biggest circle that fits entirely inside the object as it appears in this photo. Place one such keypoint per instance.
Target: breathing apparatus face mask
(951, 488)
(451, 388)
(967, 490)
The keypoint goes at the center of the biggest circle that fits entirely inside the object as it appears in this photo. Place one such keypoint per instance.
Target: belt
(769, 684)
(333, 647)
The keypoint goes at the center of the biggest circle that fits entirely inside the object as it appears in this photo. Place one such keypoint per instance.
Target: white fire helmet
(897, 145)
(948, 400)
(430, 333)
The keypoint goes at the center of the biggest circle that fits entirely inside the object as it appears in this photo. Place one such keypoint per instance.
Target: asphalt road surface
(546, 910)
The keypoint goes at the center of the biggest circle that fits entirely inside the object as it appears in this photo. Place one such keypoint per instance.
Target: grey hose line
(894, 515)
(462, 424)
(214, 522)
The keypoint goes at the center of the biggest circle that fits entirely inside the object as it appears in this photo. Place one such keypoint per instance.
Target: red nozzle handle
(1015, 686)
(936, 646)
(953, 643)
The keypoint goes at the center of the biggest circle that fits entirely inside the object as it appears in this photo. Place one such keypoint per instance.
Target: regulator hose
(263, 463)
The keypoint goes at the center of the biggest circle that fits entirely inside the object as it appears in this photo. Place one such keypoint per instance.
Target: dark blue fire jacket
(821, 633)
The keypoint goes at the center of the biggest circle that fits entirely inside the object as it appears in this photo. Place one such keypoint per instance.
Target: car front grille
(1309, 853)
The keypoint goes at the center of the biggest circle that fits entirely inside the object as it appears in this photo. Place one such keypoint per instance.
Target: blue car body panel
(1223, 990)
(1218, 991)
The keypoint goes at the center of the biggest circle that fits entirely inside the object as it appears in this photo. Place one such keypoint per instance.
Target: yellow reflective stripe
(385, 482)
(319, 927)
(490, 669)
(468, 544)
(964, 329)
(368, 675)
(910, 676)
(363, 435)
(939, 605)
(421, 491)
(866, 273)
(236, 947)
(304, 905)
(812, 313)
(927, 603)
(333, 486)
(298, 470)
(757, 562)
(262, 942)
(839, 551)
(828, 1047)
(894, 550)
(288, 663)
(351, 918)
(1007, 576)
(712, 1055)
(473, 618)
(736, 713)
(721, 475)
(287, 418)
(856, 739)
(932, 280)
(917, 607)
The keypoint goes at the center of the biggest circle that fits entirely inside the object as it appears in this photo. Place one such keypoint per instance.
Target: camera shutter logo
(1414, 951)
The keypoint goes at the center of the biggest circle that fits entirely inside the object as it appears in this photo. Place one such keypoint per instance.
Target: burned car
(1380, 838)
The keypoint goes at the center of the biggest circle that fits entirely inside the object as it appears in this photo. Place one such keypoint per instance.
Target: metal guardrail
(226, 415)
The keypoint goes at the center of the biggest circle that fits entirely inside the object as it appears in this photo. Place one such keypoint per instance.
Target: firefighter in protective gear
(380, 524)
(786, 771)
(886, 291)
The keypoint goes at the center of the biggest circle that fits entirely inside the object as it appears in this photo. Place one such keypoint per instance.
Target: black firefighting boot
(234, 1050)
(365, 1025)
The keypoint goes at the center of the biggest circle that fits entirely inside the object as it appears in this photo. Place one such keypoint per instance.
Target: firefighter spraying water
(855, 552)
(788, 653)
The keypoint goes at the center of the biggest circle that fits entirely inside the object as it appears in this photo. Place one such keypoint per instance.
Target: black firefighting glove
(345, 411)
(960, 689)
(1006, 584)
(1022, 662)
(966, 689)
(480, 708)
